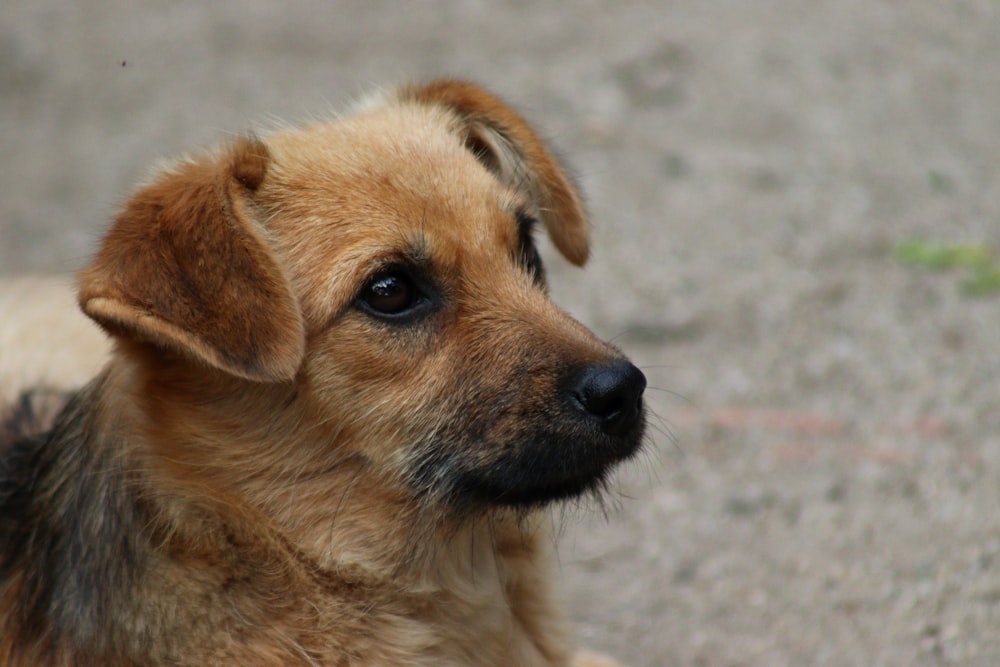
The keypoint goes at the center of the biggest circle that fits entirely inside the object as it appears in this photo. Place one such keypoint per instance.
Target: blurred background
(795, 208)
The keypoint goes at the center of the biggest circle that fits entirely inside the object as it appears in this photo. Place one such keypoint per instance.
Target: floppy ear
(183, 267)
(506, 144)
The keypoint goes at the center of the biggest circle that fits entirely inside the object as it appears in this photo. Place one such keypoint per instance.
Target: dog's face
(372, 285)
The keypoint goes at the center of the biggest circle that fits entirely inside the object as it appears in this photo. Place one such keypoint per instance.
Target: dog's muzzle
(551, 450)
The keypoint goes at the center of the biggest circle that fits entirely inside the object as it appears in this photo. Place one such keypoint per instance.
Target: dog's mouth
(550, 467)
(541, 452)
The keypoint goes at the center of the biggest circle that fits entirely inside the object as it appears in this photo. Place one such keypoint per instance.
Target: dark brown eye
(390, 294)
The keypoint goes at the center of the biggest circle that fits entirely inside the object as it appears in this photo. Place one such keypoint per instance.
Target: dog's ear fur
(184, 268)
(506, 144)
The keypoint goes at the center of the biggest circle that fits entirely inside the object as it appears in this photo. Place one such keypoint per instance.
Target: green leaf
(939, 256)
(984, 282)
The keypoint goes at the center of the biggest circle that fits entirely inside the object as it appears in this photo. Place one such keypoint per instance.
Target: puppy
(338, 401)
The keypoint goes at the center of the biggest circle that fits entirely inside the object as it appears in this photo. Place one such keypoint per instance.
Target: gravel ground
(823, 481)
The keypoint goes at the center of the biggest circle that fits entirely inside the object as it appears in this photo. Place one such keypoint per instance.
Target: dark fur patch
(528, 256)
(31, 413)
(70, 538)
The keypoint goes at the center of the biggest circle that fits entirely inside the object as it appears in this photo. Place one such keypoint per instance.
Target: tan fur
(272, 424)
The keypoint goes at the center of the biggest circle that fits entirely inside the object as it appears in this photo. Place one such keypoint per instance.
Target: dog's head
(367, 293)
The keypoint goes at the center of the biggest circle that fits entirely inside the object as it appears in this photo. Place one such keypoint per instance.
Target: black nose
(612, 394)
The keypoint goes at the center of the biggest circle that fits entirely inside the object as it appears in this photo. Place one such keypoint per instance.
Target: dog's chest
(472, 612)
(493, 609)
(454, 633)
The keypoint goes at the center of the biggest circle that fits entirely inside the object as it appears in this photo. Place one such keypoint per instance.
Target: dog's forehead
(352, 192)
(405, 164)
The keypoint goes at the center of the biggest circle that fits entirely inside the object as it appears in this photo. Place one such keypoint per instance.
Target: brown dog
(338, 399)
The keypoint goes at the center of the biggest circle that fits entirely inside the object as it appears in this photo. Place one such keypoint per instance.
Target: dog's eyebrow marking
(413, 251)
(417, 250)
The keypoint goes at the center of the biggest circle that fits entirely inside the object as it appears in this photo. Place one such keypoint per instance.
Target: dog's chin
(548, 469)
(482, 488)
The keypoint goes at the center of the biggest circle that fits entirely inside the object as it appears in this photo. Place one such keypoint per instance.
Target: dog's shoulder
(67, 521)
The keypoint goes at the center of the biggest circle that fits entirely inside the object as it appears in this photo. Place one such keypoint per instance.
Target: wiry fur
(267, 472)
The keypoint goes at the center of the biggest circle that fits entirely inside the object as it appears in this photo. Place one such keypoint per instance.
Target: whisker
(673, 394)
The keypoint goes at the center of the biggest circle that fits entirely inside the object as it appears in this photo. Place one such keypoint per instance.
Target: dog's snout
(610, 393)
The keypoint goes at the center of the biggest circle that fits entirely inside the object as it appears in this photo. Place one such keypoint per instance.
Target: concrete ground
(822, 485)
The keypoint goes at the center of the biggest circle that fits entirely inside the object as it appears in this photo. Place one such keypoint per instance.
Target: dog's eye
(390, 294)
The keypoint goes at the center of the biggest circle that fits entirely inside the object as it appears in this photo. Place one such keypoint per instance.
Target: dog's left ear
(186, 268)
(504, 142)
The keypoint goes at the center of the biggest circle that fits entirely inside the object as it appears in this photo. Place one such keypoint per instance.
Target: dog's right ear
(507, 145)
(184, 268)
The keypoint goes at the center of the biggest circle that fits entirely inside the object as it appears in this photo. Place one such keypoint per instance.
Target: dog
(338, 403)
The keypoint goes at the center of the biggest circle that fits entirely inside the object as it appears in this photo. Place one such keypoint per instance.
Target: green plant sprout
(979, 258)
